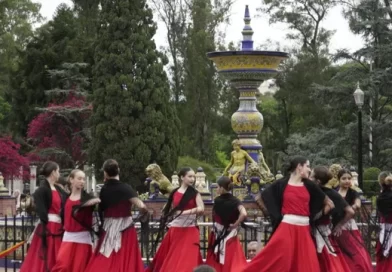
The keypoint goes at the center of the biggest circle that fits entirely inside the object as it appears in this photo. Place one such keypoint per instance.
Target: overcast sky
(343, 38)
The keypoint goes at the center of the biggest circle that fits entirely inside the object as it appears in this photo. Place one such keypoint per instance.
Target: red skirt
(179, 251)
(73, 257)
(127, 259)
(331, 263)
(384, 264)
(290, 249)
(234, 255)
(36, 255)
(358, 258)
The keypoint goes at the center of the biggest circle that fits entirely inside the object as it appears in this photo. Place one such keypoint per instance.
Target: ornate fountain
(246, 70)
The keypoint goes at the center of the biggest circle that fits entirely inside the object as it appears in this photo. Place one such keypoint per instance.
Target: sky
(342, 38)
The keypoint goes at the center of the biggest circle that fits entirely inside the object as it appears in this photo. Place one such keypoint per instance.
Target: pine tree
(133, 120)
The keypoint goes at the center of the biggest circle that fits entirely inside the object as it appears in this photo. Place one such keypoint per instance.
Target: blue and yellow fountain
(246, 70)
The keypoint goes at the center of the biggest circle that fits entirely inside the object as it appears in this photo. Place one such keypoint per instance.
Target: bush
(371, 173)
(371, 188)
(187, 161)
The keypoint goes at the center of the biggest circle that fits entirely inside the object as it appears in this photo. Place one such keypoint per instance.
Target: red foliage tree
(11, 160)
(58, 133)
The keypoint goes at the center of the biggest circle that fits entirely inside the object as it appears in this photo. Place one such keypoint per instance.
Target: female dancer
(292, 204)
(350, 241)
(118, 248)
(49, 201)
(225, 252)
(330, 257)
(384, 208)
(180, 250)
(76, 247)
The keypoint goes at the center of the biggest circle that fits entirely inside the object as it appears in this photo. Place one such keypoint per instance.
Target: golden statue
(237, 164)
(334, 182)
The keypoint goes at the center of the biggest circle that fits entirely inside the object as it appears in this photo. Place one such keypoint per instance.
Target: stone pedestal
(7, 206)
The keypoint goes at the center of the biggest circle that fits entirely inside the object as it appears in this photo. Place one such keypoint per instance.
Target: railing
(17, 229)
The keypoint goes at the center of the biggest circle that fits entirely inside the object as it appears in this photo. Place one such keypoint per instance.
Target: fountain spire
(247, 32)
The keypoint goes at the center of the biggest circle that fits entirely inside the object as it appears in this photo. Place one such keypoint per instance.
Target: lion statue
(254, 170)
(154, 172)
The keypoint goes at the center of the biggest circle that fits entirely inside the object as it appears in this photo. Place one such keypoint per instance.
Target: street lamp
(359, 97)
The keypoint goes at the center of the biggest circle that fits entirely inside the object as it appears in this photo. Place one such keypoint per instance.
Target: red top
(55, 207)
(296, 200)
(121, 209)
(177, 198)
(84, 215)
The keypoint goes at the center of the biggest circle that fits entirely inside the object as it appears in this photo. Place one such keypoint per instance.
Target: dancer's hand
(233, 226)
(92, 202)
(337, 231)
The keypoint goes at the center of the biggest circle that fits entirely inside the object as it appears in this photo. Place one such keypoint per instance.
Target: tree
(133, 120)
(59, 132)
(10, 159)
(16, 29)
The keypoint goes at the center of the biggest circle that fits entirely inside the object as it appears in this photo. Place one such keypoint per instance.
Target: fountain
(246, 70)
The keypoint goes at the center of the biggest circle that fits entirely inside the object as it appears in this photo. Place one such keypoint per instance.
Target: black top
(351, 196)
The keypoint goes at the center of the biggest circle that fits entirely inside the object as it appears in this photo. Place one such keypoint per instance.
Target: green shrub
(371, 173)
(187, 161)
(371, 188)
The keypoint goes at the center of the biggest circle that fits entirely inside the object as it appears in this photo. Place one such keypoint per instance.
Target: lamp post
(359, 100)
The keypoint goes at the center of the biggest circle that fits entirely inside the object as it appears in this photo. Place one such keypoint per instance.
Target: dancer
(292, 204)
(330, 257)
(180, 250)
(49, 201)
(118, 248)
(76, 247)
(350, 241)
(384, 209)
(225, 252)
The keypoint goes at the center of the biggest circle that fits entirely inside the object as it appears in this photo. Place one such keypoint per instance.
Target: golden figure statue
(237, 164)
(334, 182)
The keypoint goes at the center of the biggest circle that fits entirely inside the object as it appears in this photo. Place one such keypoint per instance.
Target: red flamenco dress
(351, 242)
(329, 255)
(118, 248)
(384, 244)
(180, 248)
(76, 247)
(291, 248)
(225, 252)
(46, 239)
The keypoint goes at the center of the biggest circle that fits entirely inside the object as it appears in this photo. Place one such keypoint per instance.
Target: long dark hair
(342, 172)
(168, 211)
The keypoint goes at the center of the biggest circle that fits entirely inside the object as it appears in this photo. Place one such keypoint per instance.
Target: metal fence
(17, 229)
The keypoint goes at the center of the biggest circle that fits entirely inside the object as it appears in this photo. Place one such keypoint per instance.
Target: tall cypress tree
(133, 120)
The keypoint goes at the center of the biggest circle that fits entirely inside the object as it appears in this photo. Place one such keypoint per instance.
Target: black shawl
(84, 198)
(351, 196)
(338, 212)
(114, 192)
(273, 200)
(43, 200)
(226, 207)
